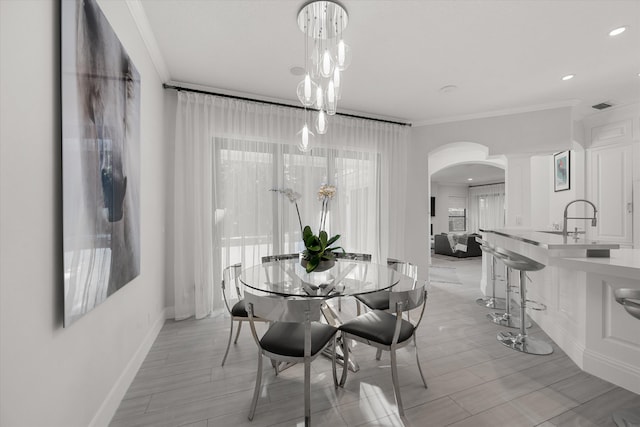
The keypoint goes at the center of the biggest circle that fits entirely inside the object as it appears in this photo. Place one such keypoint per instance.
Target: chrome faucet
(594, 219)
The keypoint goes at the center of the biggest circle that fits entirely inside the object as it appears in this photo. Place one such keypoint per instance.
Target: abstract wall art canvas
(561, 171)
(100, 89)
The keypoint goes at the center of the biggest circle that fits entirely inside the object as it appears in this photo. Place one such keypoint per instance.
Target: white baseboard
(621, 374)
(169, 313)
(109, 406)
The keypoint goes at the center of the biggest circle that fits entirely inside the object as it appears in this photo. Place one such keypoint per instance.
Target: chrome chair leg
(228, 343)
(508, 319)
(521, 341)
(256, 392)
(345, 361)
(307, 392)
(333, 362)
(396, 384)
(492, 301)
(415, 343)
(238, 333)
(378, 354)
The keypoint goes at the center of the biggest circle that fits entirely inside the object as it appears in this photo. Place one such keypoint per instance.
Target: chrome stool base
(512, 321)
(524, 343)
(489, 302)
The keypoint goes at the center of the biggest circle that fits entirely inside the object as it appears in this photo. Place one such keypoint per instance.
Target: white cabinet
(610, 187)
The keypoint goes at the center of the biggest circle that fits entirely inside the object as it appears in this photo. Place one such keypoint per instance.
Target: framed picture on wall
(101, 93)
(562, 171)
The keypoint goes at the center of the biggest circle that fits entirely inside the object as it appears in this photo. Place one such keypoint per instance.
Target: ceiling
(504, 56)
(460, 174)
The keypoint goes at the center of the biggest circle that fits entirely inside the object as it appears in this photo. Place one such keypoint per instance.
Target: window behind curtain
(251, 221)
(486, 207)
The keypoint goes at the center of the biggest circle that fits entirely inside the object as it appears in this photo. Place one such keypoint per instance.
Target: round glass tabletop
(346, 277)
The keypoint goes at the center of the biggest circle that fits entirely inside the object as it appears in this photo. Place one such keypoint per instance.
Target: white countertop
(551, 240)
(622, 263)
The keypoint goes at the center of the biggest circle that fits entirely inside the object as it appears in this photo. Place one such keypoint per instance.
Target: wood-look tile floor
(473, 380)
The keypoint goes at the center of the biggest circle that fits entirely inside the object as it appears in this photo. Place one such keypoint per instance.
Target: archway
(458, 158)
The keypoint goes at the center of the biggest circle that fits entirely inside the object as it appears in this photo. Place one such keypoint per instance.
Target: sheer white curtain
(229, 154)
(486, 207)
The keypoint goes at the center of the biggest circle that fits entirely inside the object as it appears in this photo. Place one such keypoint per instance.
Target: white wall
(547, 205)
(518, 136)
(76, 376)
(535, 132)
(417, 241)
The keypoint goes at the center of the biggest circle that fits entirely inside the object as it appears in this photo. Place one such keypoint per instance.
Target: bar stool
(521, 341)
(491, 301)
(506, 318)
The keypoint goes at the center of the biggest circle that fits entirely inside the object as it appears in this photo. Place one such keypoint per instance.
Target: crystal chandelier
(326, 57)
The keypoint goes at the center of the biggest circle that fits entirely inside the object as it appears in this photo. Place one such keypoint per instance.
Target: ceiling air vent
(602, 106)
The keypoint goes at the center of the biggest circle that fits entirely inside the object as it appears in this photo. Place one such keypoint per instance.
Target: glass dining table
(347, 277)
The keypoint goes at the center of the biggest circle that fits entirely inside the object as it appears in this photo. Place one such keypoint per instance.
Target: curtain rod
(186, 89)
(485, 185)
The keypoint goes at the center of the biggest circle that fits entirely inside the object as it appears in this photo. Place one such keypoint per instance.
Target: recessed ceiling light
(296, 71)
(568, 77)
(469, 179)
(617, 31)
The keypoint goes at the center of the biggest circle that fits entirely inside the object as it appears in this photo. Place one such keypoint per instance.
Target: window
(457, 219)
(252, 221)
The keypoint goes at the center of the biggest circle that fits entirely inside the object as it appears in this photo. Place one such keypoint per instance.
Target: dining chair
(380, 300)
(238, 311)
(387, 332)
(272, 258)
(354, 256)
(295, 336)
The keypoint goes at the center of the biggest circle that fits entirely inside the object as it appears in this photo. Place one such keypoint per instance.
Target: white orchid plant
(318, 247)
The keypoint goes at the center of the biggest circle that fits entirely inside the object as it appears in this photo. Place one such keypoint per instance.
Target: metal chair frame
(229, 274)
(402, 301)
(506, 318)
(403, 267)
(491, 301)
(279, 309)
(354, 256)
(521, 341)
(271, 258)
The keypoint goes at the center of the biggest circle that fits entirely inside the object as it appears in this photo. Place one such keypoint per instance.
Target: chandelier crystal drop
(326, 57)
(321, 123)
(306, 135)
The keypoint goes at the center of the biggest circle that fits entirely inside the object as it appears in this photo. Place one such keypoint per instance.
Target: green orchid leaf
(333, 239)
(306, 232)
(309, 241)
(312, 264)
(323, 237)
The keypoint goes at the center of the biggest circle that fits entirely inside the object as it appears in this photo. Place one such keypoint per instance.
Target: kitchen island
(577, 285)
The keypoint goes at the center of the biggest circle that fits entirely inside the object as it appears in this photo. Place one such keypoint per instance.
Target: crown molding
(149, 39)
(497, 113)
